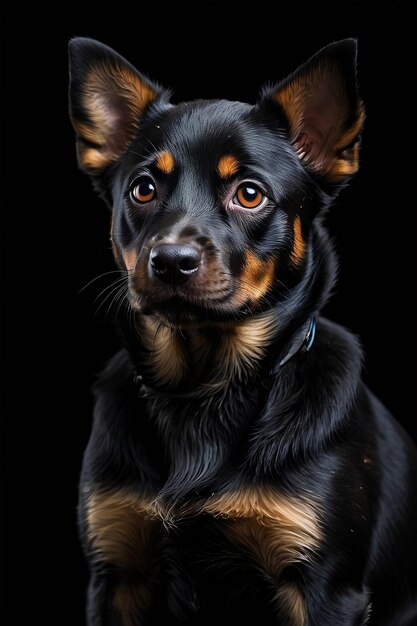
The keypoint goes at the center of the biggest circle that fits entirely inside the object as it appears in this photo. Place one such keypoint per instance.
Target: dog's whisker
(153, 145)
(121, 301)
(120, 292)
(93, 280)
(108, 299)
(114, 289)
(115, 283)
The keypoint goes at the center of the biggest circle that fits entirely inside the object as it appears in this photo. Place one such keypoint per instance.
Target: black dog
(238, 467)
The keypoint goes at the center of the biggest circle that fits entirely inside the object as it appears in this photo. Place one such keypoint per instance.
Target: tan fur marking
(349, 134)
(256, 278)
(110, 132)
(167, 359)
(292, 601)
(332, 160)
(239, 347)
(130, 257)
(119, 527)
(298, 249)
(91, 158)
(227, 166)
(113, 245)
(243, 344)
(348, 161)
(279, 530)
(101, 82)
(122, 529)
(165, 162)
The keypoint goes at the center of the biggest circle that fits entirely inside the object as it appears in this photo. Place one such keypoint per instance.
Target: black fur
(308, 429)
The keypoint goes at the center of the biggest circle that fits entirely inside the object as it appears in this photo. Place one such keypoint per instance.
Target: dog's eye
(248, 196)
(143, 190)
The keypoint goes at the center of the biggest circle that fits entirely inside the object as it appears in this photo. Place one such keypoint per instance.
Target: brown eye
(248, 196)
(143, 190)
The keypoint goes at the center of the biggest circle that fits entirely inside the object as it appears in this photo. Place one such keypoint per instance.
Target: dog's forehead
(214, 135)
(202, 114)
(208, 126)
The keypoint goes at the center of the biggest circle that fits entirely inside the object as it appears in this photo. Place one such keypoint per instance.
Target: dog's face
(213, 200)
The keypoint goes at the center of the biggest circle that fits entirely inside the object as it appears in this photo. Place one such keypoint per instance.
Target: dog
(237, 465)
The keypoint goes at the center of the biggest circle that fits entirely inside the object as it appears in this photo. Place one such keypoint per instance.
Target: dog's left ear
(323, 110)
(108, 99)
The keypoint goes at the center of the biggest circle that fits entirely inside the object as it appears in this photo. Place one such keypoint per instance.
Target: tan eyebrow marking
(165, 162)
(227, 166)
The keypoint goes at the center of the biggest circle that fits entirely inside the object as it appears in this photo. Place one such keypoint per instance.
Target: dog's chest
(137, 534)
(275, 530)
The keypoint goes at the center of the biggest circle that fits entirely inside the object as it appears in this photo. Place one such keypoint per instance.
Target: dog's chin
(180, 313)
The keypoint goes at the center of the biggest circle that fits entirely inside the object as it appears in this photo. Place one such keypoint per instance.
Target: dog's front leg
(100, 611)
(121, 539)
(115, 600)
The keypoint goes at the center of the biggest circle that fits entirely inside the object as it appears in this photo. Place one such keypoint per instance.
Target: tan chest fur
(275, 529)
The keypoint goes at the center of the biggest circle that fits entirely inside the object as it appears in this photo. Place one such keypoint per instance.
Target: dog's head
(213, 201)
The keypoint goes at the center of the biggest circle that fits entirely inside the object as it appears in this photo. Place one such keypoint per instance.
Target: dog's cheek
(255, 280)
(298, 245)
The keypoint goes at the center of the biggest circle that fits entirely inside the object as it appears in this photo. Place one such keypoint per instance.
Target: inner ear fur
(323, 110)
(108, 97)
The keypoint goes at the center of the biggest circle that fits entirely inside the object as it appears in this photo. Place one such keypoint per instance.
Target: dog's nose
(174, 263)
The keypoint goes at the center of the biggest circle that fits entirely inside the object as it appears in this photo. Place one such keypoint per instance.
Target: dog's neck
(211, 356)
(204, 360)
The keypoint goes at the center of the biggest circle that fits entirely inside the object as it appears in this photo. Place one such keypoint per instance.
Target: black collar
(302, 342)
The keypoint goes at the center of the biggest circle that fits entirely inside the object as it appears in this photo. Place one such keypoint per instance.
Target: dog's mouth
(185, 283)
(189, 284)
(183, 306)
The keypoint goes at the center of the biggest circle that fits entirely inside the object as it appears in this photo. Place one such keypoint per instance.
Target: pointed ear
(323, 110)
(107, 99)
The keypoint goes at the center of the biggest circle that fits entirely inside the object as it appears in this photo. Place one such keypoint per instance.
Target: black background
(55, 236)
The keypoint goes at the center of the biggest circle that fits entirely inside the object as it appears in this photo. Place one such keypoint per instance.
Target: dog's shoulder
(310, 399)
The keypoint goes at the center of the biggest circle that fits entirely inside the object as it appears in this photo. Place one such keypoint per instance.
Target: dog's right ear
(323, 111)
(108, 97)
